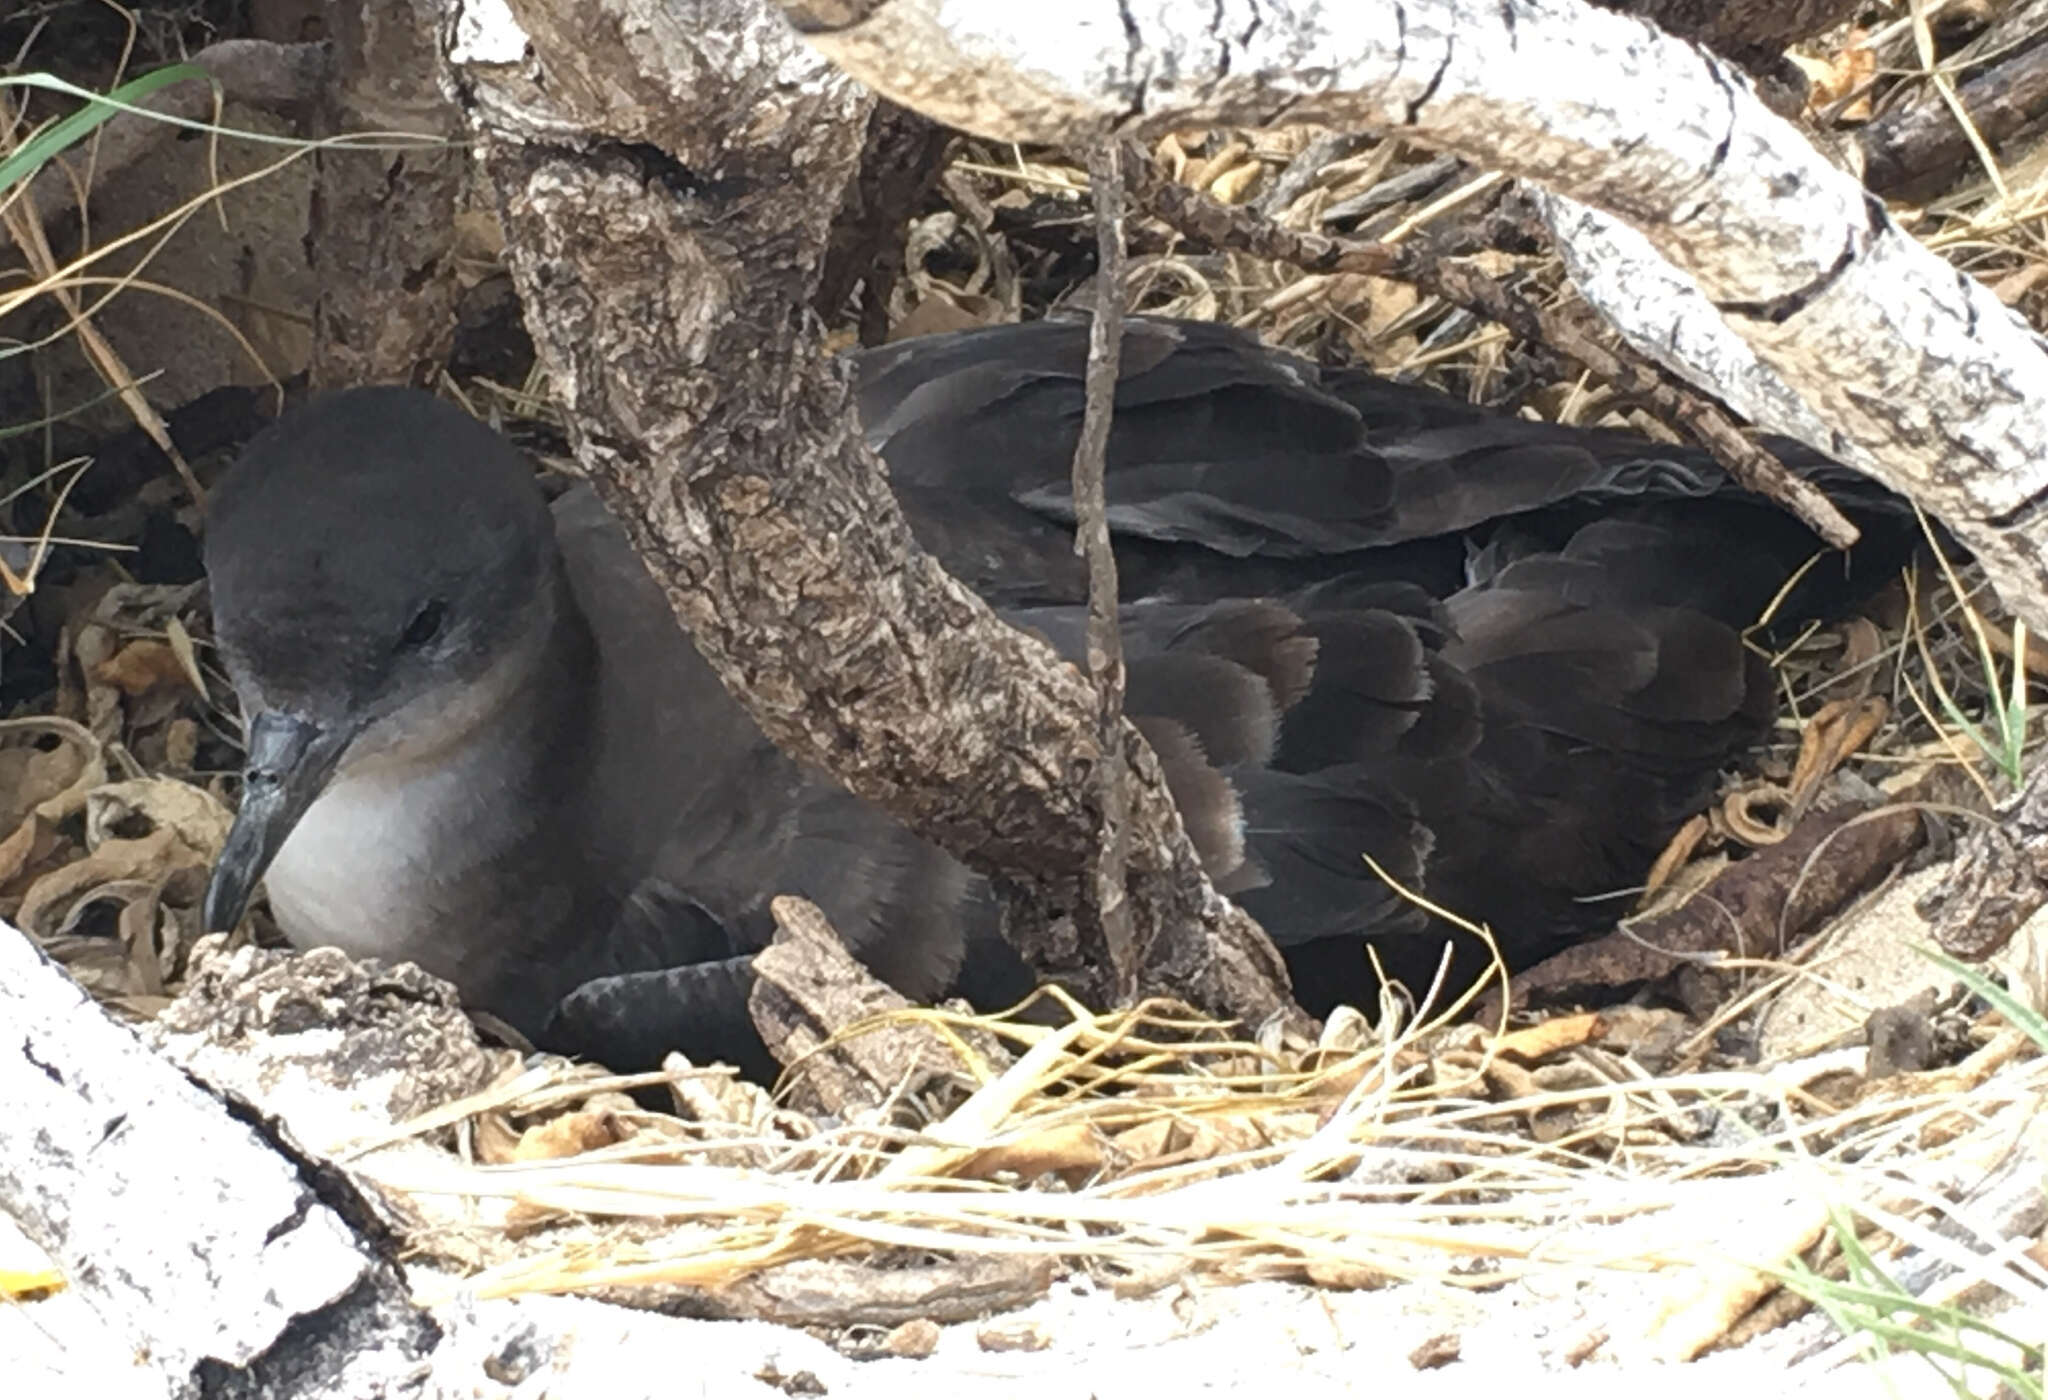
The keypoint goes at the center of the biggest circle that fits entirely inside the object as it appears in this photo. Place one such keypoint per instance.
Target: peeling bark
(834, 1293)
(1999, 878)
(667, 176)
(807, 990)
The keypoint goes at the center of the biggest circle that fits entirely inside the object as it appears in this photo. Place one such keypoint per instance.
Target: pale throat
(398, 853)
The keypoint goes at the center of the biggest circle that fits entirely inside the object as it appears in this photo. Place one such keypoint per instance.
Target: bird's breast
(407, 865)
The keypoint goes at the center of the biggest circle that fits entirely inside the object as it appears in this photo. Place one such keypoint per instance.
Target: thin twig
(1236, 227)
(1091, 542)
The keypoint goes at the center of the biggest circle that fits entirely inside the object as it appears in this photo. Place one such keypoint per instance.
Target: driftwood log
(180, 1182)
(230, 1267)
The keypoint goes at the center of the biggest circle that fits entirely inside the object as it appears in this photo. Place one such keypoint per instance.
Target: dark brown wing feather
(1315, 682)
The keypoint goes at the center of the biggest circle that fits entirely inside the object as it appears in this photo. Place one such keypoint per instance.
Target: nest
(1149, 1144)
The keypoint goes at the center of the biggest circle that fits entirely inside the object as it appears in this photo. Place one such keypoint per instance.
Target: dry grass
(1147, 1145)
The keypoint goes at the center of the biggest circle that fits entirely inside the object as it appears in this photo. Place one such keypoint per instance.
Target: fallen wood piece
(1754, 908)
(1998, 881)
(807, 990)
(222, 1265)
(1926, 146)
(845, 1293)
(1916, 151)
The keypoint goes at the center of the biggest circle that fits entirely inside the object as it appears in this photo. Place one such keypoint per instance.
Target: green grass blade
(61, 135)
(2033, 1022)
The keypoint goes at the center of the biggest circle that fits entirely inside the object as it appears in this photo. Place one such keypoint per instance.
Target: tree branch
(1913, 372)
(192, 1238)
(382, 232)
(1091, 541)
(1924, 143)
(666, 242)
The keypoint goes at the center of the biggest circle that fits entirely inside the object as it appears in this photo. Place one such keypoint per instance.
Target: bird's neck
(459, 854)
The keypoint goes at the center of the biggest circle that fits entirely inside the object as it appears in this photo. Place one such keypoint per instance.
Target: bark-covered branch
(382, 237)
(1106, 886)
(1912, 371)
(667, 175)
(1924, 143)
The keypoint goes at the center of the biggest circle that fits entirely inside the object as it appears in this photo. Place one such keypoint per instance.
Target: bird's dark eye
(424, 627)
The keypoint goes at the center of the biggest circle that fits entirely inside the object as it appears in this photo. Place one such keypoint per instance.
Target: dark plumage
(1314, 680)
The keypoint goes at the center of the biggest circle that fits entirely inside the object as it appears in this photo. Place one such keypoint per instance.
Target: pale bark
(200, 1248)
(1665, 316)
(1912, 371)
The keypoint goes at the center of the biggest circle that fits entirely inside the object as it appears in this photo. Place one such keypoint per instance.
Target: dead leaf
(180, 642)
(1649, 1035)
(918, 1337)
(1342, 1273)
(142, 666)
(1695, 1307)
(181, 743)
(570, 1135)
(93, 647)
(194, 816)
(1065, 1147)
(1014, 1336)
(14, 851)
(138, 928)
(1538, 1042)
(1835, 76)
(51, 783)
(1235, 185)
(1202, 174)
(494, 1140)
(177, 827)
(1675, 854)
(1167, 1142)
(941, 312)
(1171, 156)
(1440, 1350)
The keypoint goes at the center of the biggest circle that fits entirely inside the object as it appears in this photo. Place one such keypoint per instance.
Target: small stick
(1091, 542)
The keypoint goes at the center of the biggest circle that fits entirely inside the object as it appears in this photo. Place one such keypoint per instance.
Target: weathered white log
(202, 1250)
(1665, 316)
(1914, 372)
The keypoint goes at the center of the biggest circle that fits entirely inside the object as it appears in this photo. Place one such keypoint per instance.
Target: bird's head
(375, 557)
